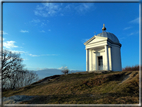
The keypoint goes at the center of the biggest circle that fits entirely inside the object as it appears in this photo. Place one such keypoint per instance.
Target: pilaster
(87, 59)
(106, 57)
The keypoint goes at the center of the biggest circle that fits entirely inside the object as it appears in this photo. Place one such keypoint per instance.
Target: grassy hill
(87, 88)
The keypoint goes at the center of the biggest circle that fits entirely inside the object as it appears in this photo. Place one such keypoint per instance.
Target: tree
(23, 78)
(30, 77)
(11, 62)
(13, 73)
(65, 70)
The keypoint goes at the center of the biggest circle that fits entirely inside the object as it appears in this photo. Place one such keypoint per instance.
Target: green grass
(90, 88)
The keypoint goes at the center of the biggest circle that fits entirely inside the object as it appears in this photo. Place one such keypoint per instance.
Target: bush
(65, 71)
(133, 68)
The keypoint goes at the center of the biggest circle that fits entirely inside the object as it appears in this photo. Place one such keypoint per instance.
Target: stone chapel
(103, 52)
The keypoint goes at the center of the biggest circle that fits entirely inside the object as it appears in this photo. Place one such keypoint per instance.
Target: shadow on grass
(107, 98)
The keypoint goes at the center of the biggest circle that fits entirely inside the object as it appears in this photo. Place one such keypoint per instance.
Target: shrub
(65, 71)
(133, 68)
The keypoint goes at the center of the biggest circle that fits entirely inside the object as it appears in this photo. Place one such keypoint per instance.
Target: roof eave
(114, 42)
(89, 40)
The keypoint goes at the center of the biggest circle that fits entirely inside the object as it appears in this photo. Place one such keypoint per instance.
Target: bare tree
(30, 77)
(65, 70)
(11, 62)
(13, 73)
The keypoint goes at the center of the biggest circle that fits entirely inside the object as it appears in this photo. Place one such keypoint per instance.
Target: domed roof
(109, 35)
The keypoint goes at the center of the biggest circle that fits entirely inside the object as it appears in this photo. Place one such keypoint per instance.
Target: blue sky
(51, 35)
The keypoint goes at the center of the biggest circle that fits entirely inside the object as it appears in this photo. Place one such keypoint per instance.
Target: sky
(51, 35)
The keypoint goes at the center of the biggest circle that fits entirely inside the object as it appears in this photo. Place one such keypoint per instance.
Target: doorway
(100, 63)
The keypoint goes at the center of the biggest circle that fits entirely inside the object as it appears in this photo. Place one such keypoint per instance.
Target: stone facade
(103, 53)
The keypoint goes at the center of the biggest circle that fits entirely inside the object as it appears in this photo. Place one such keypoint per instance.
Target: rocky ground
(16, 99)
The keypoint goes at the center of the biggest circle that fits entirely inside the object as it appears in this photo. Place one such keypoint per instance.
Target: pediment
(95, 39)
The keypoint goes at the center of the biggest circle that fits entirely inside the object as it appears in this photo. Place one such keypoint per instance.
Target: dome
(111, 36)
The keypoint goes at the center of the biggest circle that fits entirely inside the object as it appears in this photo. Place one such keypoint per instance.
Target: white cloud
(51, 9)
(9, 44)
(14, 51)
(39, 7)
(35, 21)
(83, 7)
(135, 20)
(62, 14)
(21, 52)
(80, 7)
(33, 55)
(122, 38)
(4, 33)
(42, 31)
(133, 33)
(63, 67)
(24, 31)
(43, 24)
(39, 22)
(126, 28)
(47, 9)
(68, 7)
(49, 54)
(42, 55)
(60, 68)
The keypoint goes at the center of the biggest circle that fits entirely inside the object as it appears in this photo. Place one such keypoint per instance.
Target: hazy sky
(51, 35)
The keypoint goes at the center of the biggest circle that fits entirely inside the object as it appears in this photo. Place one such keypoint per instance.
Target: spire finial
(104, 28)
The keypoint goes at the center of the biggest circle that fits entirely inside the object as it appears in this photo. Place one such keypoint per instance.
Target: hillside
(83, 88)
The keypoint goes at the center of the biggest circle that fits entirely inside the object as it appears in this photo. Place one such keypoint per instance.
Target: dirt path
(125, 78)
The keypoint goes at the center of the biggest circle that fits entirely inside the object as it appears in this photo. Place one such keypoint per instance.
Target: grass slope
(90, 88)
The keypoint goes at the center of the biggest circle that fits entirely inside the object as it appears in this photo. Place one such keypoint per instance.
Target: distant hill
(50, 72)
(83, 88)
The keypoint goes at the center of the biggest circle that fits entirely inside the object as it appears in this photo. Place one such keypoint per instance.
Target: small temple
(103, 52)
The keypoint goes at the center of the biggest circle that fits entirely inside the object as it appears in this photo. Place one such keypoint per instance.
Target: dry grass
(132, 68)
(88, 88)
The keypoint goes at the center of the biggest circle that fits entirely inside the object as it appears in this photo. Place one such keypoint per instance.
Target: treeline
(132, 68)
(13, 73)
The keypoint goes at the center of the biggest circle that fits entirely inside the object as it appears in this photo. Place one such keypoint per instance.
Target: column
(96, 58)
(110, 58)
(87, 59)
(120, 60)
(91, 61)
(107, 57)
